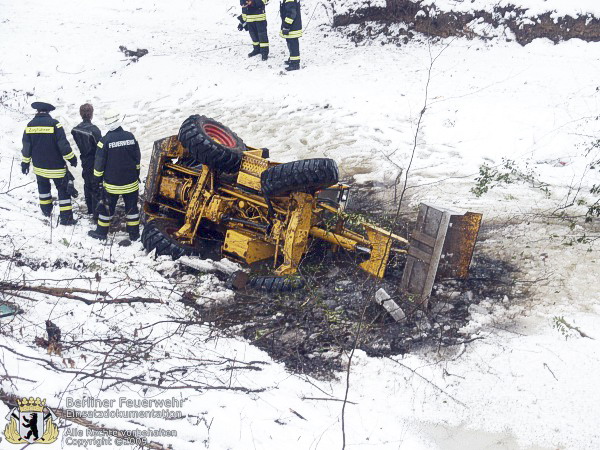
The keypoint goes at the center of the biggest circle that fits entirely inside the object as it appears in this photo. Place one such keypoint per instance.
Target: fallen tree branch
(428, 381)
(48, 290)
(550, 370)
(329, 399)
(17, 187)
(297, 414)
(69, 293)
(466, 341)
(136, 379)
(562, 321)
(130, 300)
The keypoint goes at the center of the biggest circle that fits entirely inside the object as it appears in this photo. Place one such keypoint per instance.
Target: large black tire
(212, 143)
(275, 284)
(157, 235)
(307, 175)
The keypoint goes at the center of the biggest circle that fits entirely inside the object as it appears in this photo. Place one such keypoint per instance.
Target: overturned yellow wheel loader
(205, 183)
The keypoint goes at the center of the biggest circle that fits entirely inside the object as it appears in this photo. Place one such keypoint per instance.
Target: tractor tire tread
(206, 150)
(307, 175)
(275, 283)
(155, 237)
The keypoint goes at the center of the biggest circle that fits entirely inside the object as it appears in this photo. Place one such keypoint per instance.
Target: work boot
(264, 52)
(287, 62)
(134, 235)
(293, 65)
(254, 52)
(67, 221)
(96, 234)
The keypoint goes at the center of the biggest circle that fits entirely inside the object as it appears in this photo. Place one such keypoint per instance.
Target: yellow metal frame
(247, 246)
(253, 231)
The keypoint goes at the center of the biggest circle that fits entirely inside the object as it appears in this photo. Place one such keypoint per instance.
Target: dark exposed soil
(432, 22)
(309, 330)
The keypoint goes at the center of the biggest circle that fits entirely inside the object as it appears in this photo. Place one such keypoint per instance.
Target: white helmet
(112, 119)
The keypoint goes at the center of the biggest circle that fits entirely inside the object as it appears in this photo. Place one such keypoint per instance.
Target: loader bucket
(441, 246)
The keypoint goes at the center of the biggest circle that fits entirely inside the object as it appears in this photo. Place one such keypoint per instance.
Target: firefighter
(45, 144)
(291, 31)
(254, 16)
(116, 173)
(87, 135)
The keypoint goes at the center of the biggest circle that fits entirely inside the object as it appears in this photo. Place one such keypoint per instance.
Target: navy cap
(43, 106)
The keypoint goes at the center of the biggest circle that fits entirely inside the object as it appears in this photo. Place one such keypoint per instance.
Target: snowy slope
(523, 385)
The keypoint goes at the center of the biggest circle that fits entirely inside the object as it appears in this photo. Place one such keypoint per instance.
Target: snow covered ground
(524, 385)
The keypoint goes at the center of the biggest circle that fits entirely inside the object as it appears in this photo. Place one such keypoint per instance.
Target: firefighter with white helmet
(116, 172)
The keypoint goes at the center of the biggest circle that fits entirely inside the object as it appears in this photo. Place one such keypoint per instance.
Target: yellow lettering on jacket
(39, 130)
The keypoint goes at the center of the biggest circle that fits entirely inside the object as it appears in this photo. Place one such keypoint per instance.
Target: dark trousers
(64, 199)
(259, 36)
(106, 212)
(294, 48)
(88, 190)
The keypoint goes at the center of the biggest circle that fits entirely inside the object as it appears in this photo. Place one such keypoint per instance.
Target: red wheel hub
(219, 135)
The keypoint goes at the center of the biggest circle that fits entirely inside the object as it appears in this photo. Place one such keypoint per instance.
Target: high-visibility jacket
(118, 162)
(291, 18)
(255, 12)
(45, 144)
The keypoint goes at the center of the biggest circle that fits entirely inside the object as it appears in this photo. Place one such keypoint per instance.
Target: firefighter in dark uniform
(255, 18)
(87, 135)
(45, 144)
(117, 172)
(291, 30)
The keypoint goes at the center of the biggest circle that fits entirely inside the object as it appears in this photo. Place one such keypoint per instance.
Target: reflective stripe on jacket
(45, 145)
(255, 12)
(291, 18)
(118, 161)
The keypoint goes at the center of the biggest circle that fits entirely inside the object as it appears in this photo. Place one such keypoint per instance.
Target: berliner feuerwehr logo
(31, 422)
